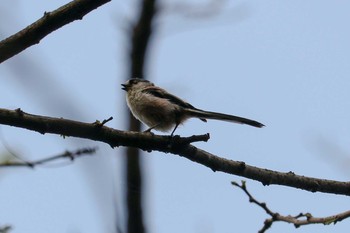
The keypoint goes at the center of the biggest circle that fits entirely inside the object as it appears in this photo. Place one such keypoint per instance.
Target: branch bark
(175, 145)
(50, 22)
(297, 220)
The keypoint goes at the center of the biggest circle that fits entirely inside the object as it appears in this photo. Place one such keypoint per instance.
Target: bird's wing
(160, 93)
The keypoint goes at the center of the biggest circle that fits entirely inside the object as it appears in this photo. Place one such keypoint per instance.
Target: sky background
(283, 63)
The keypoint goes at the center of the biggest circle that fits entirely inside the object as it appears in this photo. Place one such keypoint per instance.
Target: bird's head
(136, 83)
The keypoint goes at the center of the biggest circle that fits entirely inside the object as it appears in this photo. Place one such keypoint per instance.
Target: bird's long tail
(224, 117)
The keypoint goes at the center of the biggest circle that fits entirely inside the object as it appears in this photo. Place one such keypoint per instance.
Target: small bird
(160, 110)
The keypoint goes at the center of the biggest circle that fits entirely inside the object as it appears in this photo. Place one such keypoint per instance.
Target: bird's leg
(149, 129)
(172, 133)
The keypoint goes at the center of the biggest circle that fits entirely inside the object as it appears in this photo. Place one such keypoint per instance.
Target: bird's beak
(125, 87)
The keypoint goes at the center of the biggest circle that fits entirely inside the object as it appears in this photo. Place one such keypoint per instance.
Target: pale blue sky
(283, 63)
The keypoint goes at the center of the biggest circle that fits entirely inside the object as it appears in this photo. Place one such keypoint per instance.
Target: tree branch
(140, 40)
(70, 155)
(5, 229)
(50, 22)
(175, 145)
(307, 218)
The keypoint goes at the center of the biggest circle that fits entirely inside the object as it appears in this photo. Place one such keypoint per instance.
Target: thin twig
(100, 124)
(297, 220)
(70, 155)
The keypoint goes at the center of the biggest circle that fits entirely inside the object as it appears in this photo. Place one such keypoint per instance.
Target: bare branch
(179, 146)
(5, 229)
(50, 22)
(70, 155)
(298, 220)
(140, 40)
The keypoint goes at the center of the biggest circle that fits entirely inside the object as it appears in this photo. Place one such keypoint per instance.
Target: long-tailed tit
(163, 111)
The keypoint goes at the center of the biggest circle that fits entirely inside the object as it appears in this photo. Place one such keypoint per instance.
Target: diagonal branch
(175, 145)
(298, 220)
(50, 22)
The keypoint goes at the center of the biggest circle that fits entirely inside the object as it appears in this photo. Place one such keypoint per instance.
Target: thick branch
(140, 41)
(140, 38)
(50, 22)
(176, 145)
